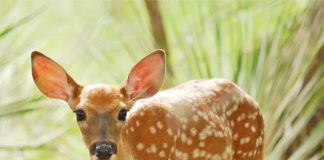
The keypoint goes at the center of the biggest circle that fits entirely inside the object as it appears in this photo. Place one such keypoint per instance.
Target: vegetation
(273, 49)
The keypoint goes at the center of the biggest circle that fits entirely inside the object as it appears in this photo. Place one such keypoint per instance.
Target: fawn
(201, 119)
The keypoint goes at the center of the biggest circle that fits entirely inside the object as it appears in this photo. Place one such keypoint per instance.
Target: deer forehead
(100, 97)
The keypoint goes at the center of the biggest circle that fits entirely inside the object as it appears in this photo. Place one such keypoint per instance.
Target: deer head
(100, 109)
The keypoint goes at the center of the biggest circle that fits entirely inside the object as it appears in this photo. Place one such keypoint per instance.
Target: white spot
(137, 123)
(193, 131)
(169, 131)
(259, 141)
(208, 156)
(240, 117)
(236, 136)
(162, 154)
(148, 150)
(222, 118)
(183, 137)
(228, 113)
(172, 149)
(253, 129)
(216, 157)
(165, 145)
(224, 155)
(247, 124)
(208, 131)
(232, 123)
(185, 156)
(219, 134)
(178, 153)
(153, 148)
(201, 144)
(178, 132)
(205, 116)
(175, 137)
(159, 125)
(244, 154)
(189, 141)
(140, 146)
(152, 130)
(245, 140)
(202, 135)
(195, 153)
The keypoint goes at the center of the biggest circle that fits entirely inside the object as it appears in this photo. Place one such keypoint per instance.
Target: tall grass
(272, 49)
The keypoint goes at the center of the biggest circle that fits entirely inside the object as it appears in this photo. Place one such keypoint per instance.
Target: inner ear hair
(125, 97)
(76, 90)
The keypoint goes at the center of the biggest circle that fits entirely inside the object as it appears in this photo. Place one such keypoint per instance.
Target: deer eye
(80, 114)
(122, 114)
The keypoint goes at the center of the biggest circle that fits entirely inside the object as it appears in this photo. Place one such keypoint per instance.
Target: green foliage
(269, 48)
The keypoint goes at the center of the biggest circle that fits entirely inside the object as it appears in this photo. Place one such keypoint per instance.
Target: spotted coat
(198, 120)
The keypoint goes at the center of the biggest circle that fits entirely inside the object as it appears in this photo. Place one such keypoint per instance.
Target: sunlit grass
(266, 47)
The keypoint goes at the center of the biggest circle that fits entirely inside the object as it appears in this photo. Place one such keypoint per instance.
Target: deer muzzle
(103, 150)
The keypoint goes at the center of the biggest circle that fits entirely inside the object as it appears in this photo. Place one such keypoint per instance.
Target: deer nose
(104, 150)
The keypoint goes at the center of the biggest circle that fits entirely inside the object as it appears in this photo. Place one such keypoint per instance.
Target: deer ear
(146, 77)
(51, 78)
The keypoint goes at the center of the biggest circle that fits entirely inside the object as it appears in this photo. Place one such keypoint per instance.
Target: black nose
(104, 150)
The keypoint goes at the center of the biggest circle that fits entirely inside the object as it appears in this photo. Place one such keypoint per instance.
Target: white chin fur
(93, 157)
(113, 157)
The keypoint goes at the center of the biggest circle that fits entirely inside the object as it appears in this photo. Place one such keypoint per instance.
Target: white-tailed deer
(201, 119)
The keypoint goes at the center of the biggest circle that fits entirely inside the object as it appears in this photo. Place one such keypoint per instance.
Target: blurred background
(273, 49)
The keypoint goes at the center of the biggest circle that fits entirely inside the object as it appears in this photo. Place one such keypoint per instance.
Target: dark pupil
(80, 115)
(122, 114)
